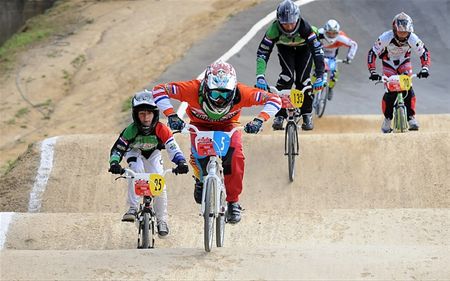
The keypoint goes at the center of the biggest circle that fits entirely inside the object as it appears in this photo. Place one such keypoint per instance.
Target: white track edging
(5, 220)
(45, 168)
(240, 44)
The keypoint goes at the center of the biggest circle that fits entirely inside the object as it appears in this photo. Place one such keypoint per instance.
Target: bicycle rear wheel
(208, 216)
(291, 131)
(220, 221)
(322, 102)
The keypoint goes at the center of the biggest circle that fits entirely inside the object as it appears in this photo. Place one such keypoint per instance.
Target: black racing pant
(387, 104)
(296, 64)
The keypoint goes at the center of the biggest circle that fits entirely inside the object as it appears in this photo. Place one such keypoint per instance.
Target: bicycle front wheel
(322, 102)
(400, 120)
(291, 131)
(220, 221)
(145, 228)
(208, 216)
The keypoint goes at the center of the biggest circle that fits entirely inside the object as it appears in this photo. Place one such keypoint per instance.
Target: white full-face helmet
(402, 22)
(331, 30)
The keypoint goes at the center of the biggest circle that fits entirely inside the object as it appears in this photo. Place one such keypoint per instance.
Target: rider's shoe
(307, 122)
(234, 212)
(330, 93)
(198, 191)
(278, 123)
(386, 126)
(130, 215)
(413, 124)
(163, 229)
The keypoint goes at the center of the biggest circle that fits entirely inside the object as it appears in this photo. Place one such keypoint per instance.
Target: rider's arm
(165, 135)
(377, 49)
(314, 46)
(348, 42)
(265, 48)
(122, 143)
(182, 91)
(251, 97)
(419, 48)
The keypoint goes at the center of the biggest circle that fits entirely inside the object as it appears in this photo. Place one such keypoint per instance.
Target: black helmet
(144, 101)
(288, 12)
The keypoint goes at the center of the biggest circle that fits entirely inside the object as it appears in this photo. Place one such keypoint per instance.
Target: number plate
(152, 185)
(297, 98)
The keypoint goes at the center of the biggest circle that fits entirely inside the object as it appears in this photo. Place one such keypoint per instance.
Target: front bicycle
(212, 144)
(148, 186)
(292, 100)
(401, 84)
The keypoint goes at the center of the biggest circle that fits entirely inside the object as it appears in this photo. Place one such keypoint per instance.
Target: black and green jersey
(131, 138)
(306, 35)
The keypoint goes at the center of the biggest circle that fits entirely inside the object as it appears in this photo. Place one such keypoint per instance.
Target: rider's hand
(253, 127)
(182, 167)
(318, 84)
(374, 76)
(115, 168)
(261, 82)
(423, 73)
(175, 122)
(347, 61)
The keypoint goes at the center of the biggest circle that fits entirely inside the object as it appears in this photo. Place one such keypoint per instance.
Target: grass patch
(126, 105)
(22, 112)
(9, 166)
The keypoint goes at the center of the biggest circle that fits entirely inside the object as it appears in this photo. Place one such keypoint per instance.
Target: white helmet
(402, 22)
(331, 30)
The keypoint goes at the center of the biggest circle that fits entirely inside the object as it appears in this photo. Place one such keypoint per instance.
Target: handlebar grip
(122, 171)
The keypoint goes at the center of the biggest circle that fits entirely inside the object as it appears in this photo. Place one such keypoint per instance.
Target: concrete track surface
(363, 206)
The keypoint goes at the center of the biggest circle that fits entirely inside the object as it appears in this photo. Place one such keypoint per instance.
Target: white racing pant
(154, 164)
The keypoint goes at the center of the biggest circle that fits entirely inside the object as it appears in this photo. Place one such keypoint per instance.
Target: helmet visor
(403, 25)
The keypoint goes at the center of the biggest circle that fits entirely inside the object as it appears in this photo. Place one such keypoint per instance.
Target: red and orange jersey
(189, 92)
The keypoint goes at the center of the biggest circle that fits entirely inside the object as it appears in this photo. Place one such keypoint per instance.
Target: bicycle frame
(146, 216)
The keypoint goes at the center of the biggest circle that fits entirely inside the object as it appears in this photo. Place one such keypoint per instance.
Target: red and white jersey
(394, 54)
(330, 49)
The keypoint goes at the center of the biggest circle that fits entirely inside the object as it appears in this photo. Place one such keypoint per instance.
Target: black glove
(115, 168)
(175, 122)
(182, 168)
(423, 73)
(374, 76)
(253, 127)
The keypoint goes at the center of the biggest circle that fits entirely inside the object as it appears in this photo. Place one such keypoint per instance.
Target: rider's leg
(410, 103)
(233, 169)
(135, 163)
(198, 164)
(154, 164)
(387, 106)
(303, 65)
(286, 57)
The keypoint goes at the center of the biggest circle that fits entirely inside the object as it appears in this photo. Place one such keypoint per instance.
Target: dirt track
(369, 206)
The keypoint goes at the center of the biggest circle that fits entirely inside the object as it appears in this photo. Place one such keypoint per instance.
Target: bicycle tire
(144, 232)
(220, 222)
(291, 142)
(208, 216)
(400, 122)
(322, 102)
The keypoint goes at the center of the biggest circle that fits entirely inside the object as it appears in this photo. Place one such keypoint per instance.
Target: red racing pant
(233, 162)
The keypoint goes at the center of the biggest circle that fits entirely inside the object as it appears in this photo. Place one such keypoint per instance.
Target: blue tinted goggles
(215, 94)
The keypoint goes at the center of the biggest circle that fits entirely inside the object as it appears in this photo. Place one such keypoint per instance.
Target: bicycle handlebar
(188, 126)
(129, 174)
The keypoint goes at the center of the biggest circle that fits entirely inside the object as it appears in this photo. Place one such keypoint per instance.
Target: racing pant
(233, 162)
(153, 164)
(387, 104)
(296, 64)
